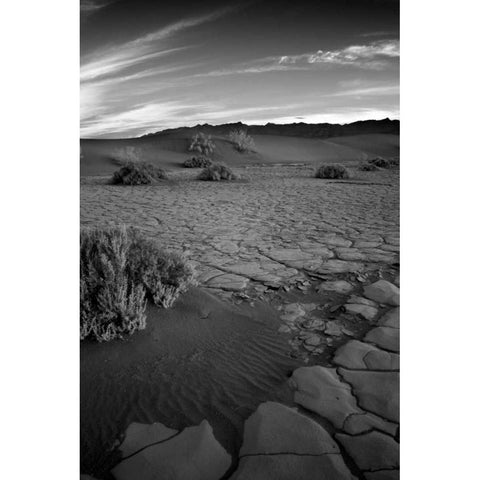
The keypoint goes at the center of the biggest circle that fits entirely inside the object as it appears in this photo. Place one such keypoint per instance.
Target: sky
(150, 65)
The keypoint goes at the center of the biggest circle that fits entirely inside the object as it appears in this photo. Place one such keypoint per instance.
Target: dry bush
(333, 171)
(217, 172)
(368, 167)
(199, 161)
(126, 154)
(381, 162)
(138, 173)
(119, 270)
(202, 144)
(242, 141)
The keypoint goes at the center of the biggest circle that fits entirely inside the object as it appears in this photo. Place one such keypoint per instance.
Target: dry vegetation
(242, 141)
(332, 171)
(199, 161)
(202, 144)
(381, 162)
(119, 271)
(138, 173)
(217, 172)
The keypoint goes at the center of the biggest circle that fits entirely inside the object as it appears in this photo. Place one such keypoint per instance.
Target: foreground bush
(381, 162)
(332, 171)
(217, 172)
(119, 271)
(202, 144)
(242, 141)
(197, 162)
(138, 173)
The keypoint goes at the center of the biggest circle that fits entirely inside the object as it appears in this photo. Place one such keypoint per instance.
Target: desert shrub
(216, 172)
(242, 141)
(381, 162)
(127, 154)
(335, 171)
(202, 144)
(199, 161)
(119, 270)
(368, 167)
(138, 173)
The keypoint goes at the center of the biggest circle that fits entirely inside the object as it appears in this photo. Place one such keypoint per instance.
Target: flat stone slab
(292, 467)
(320, 390)
(194, 454)
(361, 300)
(361, 423)
(391, 319)
(366, 311)
(377, 392)
(350, 254)
(336, 241)
(291, 254)
(337, 286)
(385, 337)
(371, 451)
(339, 266)
(140, 435)
(281, 443)
(275, 428)
(358, 355)
(383, 292)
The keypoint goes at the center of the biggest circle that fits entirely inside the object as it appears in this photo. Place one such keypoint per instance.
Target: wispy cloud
(89, 7)
(243, 69)
(131, 61)
(119, 61)
(140, 118)
(369, 91)
(150, 118)
(113, 59)
(372, 56)
(376, 55)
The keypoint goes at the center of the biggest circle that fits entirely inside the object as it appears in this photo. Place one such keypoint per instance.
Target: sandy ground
(257, 244)
(100, 157)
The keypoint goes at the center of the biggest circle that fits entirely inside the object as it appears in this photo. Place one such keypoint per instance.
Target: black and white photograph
(239, 257)
(205, 207)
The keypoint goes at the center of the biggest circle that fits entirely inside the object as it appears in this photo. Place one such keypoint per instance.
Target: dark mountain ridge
(311, 130)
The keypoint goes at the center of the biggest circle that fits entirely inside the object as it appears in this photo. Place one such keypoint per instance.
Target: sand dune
(102, 157)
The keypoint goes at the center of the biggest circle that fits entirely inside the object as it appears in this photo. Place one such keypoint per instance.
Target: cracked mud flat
(268, 230)
(268, 253)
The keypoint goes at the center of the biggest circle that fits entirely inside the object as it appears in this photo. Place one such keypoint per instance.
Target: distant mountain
(310, 130)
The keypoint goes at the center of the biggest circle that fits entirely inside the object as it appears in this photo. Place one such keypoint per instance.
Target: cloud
(113, 59)
(369, 91)
(117, 62)
(89, 7)
(375, 55)
(148, 118)
(275, 67)
(130, 61)
(141, 117)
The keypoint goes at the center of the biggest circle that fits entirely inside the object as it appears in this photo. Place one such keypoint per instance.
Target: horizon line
(236, 123)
